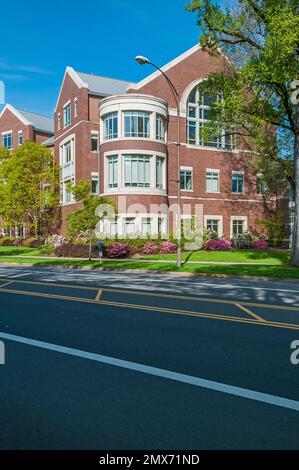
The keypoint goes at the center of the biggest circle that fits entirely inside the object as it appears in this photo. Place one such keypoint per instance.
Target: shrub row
(31, 242)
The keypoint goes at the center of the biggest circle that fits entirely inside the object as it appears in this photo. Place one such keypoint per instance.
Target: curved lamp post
(142, 61)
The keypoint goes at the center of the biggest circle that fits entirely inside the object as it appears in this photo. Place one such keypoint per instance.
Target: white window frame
(75, 107)
(200, 120)
(215, 171)
(243, 218)
(240, 173)
(94, 135)
(115, 159)
(187, 168)
(59, 121)
(67, 114)
(220, 222)
(95, 177)
(106, 119)
(137, 114)
(20, 137)
(5, 134)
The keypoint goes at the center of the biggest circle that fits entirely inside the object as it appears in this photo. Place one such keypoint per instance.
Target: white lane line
(19, 275)
(166, 374)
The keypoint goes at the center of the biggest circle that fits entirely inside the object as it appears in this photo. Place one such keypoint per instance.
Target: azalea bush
(117, 250)
(18, 242)
(260, 245)
(150, 248)
(220, 244)
(167, 247)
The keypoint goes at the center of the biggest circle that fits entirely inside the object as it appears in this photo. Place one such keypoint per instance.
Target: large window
(67, 115)
(186, 180)
(237, 183)
(160, 128)
(7, 140)
(137, 170)
(212, 182)
(67, 193)
(159, 172)
(198, 107)
(137, 124)
(67, 150)
(110, 123)
(113, 171)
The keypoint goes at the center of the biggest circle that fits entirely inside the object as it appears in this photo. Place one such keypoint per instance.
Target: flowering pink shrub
(260, 245)
(18, 242)
(150, 248)
(167, 247)
(117, 250)
(221, 244)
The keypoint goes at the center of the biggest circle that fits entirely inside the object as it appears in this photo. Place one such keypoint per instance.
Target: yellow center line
(162, 295)
(98, 296)
(156, 309)
(249, 312)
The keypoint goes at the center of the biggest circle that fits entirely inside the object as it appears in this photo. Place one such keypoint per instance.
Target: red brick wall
(9, 121)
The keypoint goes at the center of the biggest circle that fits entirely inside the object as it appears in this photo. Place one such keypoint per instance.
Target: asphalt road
(102, 360)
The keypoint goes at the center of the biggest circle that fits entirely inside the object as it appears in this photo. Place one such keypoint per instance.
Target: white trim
(7, 132)
(16, 113)
(212, 170)
(165, 68)
(76, 79)
(215, 217)
(218, 199)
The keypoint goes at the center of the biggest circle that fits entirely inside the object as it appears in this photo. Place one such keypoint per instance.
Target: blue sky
(39, 39)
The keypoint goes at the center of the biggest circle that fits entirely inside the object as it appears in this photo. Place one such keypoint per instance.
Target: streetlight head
(142, 60)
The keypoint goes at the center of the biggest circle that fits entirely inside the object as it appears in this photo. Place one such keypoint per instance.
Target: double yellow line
(253, 320)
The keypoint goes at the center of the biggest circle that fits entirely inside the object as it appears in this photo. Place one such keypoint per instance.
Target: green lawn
(276, 270)
(274, 257)
(279, 260)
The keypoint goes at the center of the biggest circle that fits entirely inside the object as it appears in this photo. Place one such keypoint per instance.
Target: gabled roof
(104, 86)
(165, 67)
(49, 142)
(96, 84)
(38, 121)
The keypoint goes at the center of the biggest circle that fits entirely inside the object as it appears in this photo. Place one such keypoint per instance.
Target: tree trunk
(295, 237)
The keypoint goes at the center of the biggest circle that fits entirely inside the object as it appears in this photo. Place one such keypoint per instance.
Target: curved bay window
(198, 106)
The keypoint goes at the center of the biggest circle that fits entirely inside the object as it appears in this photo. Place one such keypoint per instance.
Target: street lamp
(141, 60)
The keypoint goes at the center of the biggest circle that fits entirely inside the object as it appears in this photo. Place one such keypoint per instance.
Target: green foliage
(84, 219)
(255, 85)
(276, 230)
(29, 187)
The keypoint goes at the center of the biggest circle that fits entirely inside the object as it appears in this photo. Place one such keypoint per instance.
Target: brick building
(122, 137)
(17, 126)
